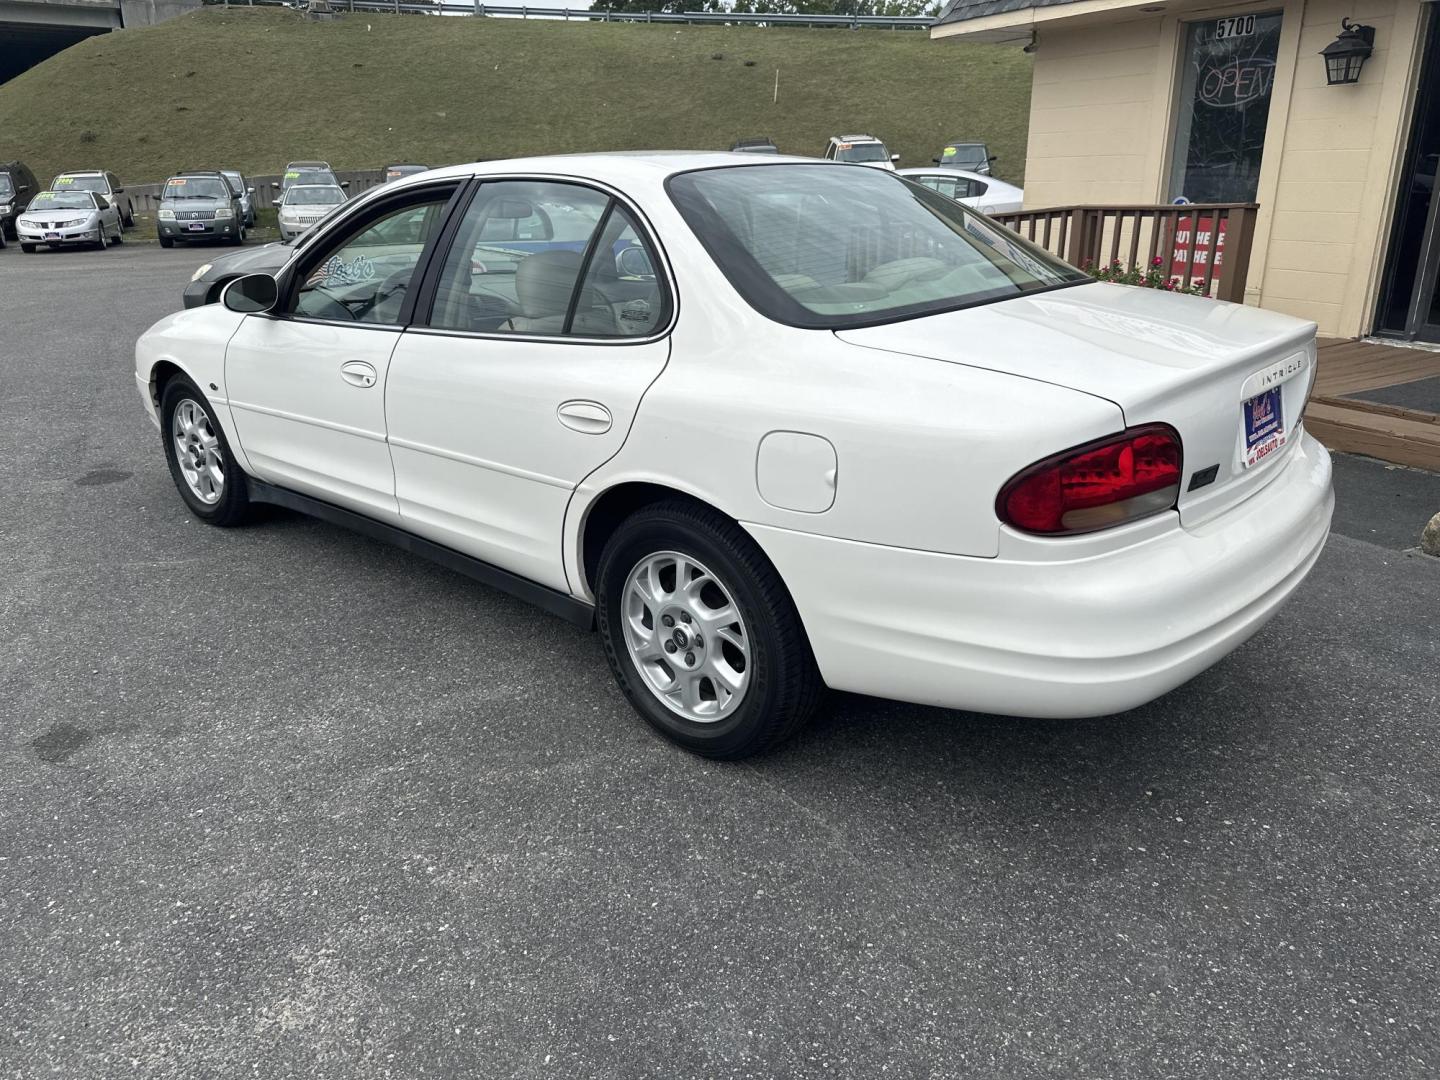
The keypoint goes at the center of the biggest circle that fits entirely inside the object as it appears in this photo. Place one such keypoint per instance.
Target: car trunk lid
(1231, 379)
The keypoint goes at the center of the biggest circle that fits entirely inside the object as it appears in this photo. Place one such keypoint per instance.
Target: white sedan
(770, 427)
(983, 193)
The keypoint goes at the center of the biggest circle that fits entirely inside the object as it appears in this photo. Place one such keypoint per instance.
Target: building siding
(1101, 114)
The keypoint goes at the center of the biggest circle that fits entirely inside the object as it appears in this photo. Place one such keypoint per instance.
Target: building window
(1227, 77)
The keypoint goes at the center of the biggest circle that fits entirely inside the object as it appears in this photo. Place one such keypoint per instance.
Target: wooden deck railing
(1206, 244)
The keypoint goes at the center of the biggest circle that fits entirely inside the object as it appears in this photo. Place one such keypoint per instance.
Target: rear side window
(549, 259)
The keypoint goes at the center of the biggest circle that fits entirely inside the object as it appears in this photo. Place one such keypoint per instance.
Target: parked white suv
(860, 150)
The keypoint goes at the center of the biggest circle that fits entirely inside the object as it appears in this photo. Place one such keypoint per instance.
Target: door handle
(586, 417)
(358, 373)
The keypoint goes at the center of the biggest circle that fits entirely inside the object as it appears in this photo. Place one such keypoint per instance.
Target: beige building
(1149, 101)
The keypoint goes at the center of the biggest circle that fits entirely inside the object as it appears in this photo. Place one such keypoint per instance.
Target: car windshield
(299, 177)
(196, 187)
(394, 172)
(963, 155)
(314, 196)
(80, 183)
(6, 188)
(816, 246)
(867, 151)
(62, 200)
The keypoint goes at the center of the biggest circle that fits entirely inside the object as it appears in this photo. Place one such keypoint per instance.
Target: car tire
(119, 231)
(167, 242)
(104, 241)
(208, 478)
(128, 221)
(763, 684)
(28, 249)
(239, 237)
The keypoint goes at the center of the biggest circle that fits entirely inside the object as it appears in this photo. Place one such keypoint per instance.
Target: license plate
(1264, 425)
(52, 236)
(196, 226)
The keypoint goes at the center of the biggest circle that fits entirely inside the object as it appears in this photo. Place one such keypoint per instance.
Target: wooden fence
(1207, 244)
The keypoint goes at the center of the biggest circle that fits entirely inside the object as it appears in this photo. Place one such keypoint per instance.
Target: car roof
(308, 165)
(196, 172)
(616, 167)
(313, 187)
(854, 138)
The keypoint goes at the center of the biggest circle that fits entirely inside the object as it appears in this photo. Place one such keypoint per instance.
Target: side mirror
(994, 157)
(344, 183)
(251, 294)
(632, 262)
(249, 191)
(935, 161)
(118, 191)
(895, 158)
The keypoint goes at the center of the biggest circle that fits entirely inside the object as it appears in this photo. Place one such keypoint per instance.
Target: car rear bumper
(1056, 636)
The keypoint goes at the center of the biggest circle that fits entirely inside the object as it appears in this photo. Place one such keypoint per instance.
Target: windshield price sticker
(45, 195)
(1235, 26)
(292, 176)
(176, 181)
(59, 180)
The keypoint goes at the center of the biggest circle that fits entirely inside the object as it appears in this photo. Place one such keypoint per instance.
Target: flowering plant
(1149, 278)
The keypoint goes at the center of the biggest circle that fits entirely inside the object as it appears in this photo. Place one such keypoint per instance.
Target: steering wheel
(393, 285)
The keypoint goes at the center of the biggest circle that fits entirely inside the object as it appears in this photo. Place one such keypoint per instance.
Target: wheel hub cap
(686, 637)
(197, 452)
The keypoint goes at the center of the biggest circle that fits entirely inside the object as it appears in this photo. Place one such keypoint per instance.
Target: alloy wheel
(197, 452)
(686, 637)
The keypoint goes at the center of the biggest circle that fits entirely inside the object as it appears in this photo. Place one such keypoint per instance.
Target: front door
(547, 325)
(1410, 296)
(306, 383)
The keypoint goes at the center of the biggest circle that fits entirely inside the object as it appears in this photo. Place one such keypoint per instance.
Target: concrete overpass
(34, 30)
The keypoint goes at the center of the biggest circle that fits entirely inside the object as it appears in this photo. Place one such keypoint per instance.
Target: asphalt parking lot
(280, 802)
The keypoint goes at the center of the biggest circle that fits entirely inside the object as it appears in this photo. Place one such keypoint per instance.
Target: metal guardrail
(478, 7)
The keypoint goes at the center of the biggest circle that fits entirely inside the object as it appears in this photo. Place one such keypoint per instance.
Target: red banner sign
(1190, 235)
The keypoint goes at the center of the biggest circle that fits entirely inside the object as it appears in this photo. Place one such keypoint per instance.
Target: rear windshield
(821, 247)
(314, 196)
(196, 187)
(6, 188)
(865, 151)
(62, 200)
(80, 183)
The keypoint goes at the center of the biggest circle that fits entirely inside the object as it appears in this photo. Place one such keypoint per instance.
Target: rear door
(550, 318)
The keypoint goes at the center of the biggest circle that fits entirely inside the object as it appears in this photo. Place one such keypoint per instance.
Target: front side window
(953, 187)
(550, 259)
(7, 190)
(817, 247)
(1227, 75)
(364, 277)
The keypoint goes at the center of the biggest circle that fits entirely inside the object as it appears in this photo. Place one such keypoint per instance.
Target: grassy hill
(253, 88)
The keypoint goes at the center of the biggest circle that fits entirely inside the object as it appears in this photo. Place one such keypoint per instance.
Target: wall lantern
(1346, 55)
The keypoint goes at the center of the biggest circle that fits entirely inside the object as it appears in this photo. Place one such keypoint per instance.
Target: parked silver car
(67, 218)
(301, 207)
(102, 182)
(245, 190)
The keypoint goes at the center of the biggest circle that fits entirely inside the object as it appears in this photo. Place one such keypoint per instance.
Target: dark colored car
(972, 156)
(102, 182)
(17, 187)
(199, 206)
(404, 168)
(759, 145)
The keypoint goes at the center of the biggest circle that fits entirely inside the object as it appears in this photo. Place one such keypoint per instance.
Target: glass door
(1410, 296)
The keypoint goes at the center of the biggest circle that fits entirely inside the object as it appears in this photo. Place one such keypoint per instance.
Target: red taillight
(1104, 483)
